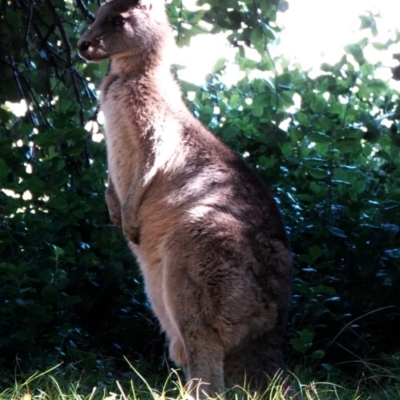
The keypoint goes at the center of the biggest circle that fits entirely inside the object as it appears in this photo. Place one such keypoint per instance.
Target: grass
(61, 383)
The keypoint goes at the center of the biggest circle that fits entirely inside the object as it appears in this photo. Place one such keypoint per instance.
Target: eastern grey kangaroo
(206, 232)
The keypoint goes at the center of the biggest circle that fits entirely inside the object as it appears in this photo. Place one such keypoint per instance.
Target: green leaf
(315, 187)
(356, 51)
(26, 130)
(6, 267)
(257, 109)
(377, 86)
(318, 105)
(286, 149)
(393, 253)
(341, 182)
(57, 203)
(50, 293)
(380, 46)
(14, 19)
(35, 184)
(318, 137)
(52, 153)
(298, 345)
(219, 65)
(348, 145)
(336, 232)
(58, 251)
(317, 354)
(315, 252)
(60, 165)
(305, 258)
(313, 161)
(359, 187)
(75, 134)
(325, 290)
(70, 300)
(231, 132)
(24, 334)
(69, 248)
(302, 119)
(284, 79)
(47, 275)
(365, 21)
(258, 40)
(4, 116)
(303, 342)
(350, 133)
(306, 336)
(318, 173)
(3, 170)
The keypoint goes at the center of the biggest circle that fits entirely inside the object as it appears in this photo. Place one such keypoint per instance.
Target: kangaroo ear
(149, 4)
(146, 4)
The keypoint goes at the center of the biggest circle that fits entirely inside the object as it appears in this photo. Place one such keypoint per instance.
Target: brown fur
(205, 230)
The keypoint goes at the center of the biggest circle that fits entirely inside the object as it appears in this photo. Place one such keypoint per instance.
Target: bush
(328, 146)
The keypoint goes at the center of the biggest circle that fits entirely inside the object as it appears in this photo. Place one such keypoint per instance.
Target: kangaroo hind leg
(198, 347)
(204, 370)
(256, 362)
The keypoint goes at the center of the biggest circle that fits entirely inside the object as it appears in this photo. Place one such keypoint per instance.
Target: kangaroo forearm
(130, 211)
(113, 205)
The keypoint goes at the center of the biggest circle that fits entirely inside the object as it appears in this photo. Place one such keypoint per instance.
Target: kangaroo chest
(142, 136)
(123, 156)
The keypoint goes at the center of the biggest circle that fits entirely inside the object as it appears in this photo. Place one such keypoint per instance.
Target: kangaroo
(206, 232)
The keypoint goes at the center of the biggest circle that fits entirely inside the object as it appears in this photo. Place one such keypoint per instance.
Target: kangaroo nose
(83, 46)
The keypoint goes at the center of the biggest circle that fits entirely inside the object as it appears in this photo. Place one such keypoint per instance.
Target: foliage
(327, 145)
(67, 276)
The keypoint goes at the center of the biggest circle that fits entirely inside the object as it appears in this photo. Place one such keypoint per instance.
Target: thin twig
(87, 14)
(68, 49)
(28, 28)
(81, 116)
(21, 91)
(57, 20)
(15, 69)
(37, 15)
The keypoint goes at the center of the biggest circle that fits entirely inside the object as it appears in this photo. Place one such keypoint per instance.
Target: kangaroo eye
(117, 22)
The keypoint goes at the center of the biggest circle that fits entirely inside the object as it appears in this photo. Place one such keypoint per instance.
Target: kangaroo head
(125, 28)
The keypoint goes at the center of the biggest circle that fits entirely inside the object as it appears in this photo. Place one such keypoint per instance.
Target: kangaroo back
(206, 232)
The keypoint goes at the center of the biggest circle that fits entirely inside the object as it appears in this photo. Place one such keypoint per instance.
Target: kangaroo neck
(131, 66)
(153, 76)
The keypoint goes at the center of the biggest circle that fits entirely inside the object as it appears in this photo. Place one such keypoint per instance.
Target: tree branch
(58, 22)
(21, 91)
(87, 14)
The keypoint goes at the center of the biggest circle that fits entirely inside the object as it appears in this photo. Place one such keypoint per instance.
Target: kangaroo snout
(84, 49)
(83, 46)
(91, 50)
